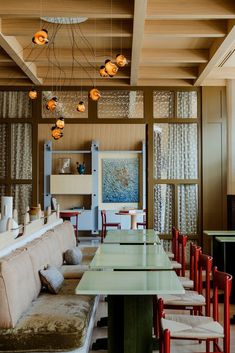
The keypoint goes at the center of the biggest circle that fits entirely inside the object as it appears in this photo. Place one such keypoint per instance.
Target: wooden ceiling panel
(90, 28)
(185, 28)
(193, 9)
(177, 43)
(68, 8)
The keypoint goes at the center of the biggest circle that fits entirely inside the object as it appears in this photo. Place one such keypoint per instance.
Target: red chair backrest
(103, 216)
(222, 282)
(205, 264)
(182, 242)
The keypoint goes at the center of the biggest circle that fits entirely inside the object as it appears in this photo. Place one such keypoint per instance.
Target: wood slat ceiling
(166, 42)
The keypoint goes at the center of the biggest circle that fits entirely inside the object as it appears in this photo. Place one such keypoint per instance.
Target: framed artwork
(120, 180)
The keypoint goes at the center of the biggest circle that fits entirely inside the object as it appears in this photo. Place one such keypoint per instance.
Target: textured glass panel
(15, 105)
(188, 209)
(187, 104)
(66, 106)
(22, 196)
(2, 190)
(175, 151)
(21, 153)
(163, 208)
(121, 104)
(3, 149)
(163, 104)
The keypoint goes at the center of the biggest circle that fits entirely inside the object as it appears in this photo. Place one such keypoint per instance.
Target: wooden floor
(177, 346)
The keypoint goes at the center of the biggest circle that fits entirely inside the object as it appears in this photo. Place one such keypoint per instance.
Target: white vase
(7, 212)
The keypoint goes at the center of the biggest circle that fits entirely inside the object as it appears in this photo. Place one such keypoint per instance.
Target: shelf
(71, 184)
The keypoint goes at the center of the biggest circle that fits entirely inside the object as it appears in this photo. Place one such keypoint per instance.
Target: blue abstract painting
(120, 181)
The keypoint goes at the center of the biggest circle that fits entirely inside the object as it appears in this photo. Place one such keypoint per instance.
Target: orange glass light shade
(33, 94)
(52, 103)
(40, 37)
(103, 72)
(94, 94)
(60, 123)
(81, 107)
(56, 133)
(121, 60)
(111, 68)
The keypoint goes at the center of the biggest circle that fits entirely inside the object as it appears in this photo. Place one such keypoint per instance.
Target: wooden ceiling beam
(137, 39)
(77, 72)
(13, 48)
(155, 56)
(164, 72)
(185, 29)
(165, 83)
(90, 28)
(63, 56)
(222, 73)
(217, 52)
(86, 82)
(190, 10)
(69, 8)
(15, 82)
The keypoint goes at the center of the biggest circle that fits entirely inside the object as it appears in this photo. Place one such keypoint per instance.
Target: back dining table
(130, 275)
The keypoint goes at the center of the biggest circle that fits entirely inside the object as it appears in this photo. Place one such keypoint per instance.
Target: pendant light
(33, 94)
(56, 132)
(94, 94)
(60, 123)
(121, 60)
(111, 68)
(40, 37)
(103, 72)
(81, 107)
(52, 103)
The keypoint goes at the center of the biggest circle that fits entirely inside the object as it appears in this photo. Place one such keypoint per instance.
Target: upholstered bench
(35, 321)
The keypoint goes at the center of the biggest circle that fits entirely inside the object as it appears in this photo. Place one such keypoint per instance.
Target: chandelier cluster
(109, 69)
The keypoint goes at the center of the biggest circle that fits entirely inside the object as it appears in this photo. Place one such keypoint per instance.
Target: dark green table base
(130, 320)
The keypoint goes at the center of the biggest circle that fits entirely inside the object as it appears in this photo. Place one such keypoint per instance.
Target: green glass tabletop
(146, 236)
(129, 283)
(135, 257)
(230, 239)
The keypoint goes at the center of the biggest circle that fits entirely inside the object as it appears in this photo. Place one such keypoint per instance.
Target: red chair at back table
(105, 224)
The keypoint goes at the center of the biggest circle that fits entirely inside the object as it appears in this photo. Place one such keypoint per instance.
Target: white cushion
(52, 279)
(186, 282)
(189, 298)
(176, 265)
(170, 254)
(73, 256)
(189, 326)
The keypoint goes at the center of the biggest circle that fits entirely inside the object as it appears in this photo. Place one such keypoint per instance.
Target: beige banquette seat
(37, 321)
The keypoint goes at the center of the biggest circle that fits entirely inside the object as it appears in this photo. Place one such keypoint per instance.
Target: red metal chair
(179, 243)
(105, 225)
(200, 328)
(144, 223)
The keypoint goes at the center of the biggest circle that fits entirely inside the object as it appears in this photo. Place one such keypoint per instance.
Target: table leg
(130, 319)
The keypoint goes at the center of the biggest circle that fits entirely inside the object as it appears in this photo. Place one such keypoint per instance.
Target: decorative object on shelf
(81, 107)
(34, 213)
(94, 94)
(7, 213)
(110, 68)
(120, 180)
(64, 165)
(56, 132)
(52, 103)
(33, 94)
(40, 37)
(81, 168)
(121, 60)
(60, 123)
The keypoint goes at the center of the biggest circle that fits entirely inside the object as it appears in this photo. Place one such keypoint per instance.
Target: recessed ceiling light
(65, 20)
